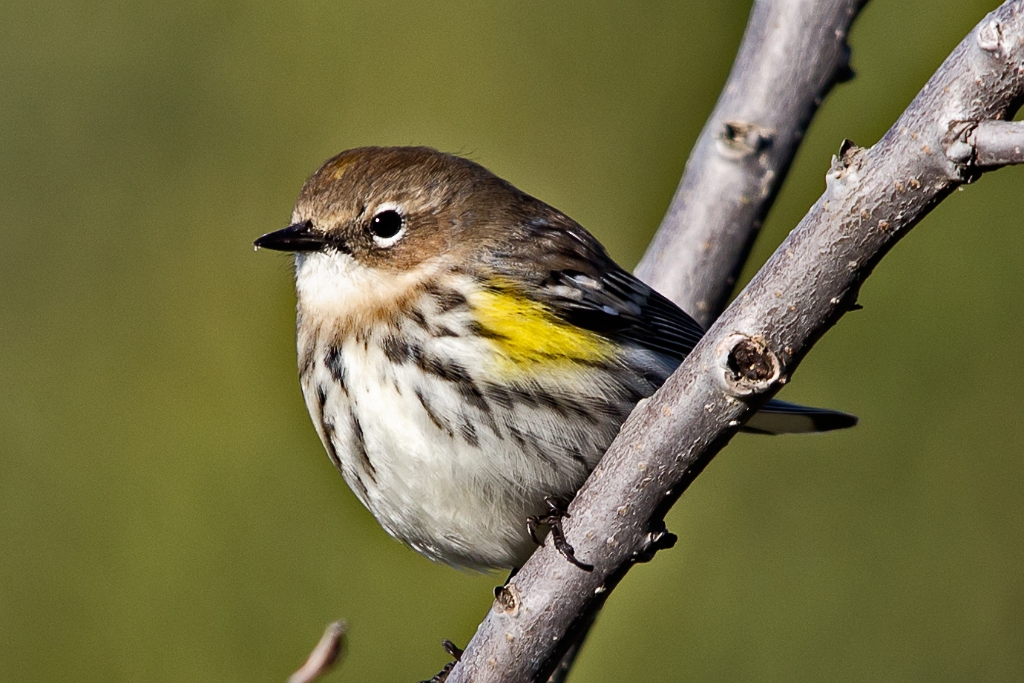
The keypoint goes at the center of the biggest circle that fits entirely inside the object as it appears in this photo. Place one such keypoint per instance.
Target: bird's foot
(557, 511)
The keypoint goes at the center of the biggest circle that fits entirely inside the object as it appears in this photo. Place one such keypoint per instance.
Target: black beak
(299, 237)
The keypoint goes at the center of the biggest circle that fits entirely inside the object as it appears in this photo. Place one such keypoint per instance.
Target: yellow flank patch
(527, 333)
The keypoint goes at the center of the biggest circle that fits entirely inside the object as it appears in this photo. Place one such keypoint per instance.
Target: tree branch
(872, 198)
(793, 52)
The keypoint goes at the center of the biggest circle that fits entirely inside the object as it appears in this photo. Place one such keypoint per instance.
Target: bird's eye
(386, 227)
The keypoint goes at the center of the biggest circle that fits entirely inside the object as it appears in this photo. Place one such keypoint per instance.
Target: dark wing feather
(569, 271)
(618, 306)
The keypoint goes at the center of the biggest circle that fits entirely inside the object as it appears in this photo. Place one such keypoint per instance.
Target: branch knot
(744, 138)
(750, 367)
(990, 36)
(506, 600)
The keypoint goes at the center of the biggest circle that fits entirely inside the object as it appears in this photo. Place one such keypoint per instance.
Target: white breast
(448, 460)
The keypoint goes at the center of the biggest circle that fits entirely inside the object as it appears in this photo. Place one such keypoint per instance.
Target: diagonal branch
(872, 198)
(793, 52)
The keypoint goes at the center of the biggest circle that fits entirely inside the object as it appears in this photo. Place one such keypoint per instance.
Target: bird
(467, 352)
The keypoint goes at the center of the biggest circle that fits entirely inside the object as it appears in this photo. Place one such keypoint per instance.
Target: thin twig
(324, 656)
(872, 198)
(989, 144)
(793, 52)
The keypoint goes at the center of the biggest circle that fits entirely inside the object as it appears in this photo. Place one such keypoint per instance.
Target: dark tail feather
(779, 417)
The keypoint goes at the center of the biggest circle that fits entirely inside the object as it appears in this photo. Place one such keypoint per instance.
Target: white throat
(334, 286)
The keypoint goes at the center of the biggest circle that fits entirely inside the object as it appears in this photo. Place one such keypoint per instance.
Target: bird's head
(392, 208)
(374, 222)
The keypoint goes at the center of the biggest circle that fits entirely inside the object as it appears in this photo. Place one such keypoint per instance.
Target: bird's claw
(557, 511)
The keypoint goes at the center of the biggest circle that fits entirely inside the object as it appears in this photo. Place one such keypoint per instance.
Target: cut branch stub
(506, 600)
(748, 365)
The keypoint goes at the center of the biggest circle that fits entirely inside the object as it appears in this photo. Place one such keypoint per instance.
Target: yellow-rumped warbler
(468, 352)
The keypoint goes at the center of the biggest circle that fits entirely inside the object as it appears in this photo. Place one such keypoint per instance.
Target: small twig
(324, 656)
(987, 144)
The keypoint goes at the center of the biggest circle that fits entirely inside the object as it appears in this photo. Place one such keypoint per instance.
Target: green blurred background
(166, 510)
